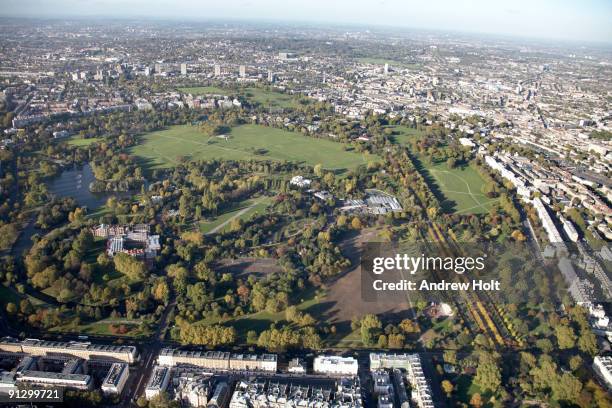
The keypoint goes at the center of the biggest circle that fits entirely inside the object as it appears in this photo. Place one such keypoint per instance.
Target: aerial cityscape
(239, 213)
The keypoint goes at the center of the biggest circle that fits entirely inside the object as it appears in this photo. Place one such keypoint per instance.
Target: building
(297, 366)
(421, 391)
(217, 360)
(380, 361)
(193, 390)
(220, 396)
(334, 365)
(115, 378)
(242, 71)
(183, 69)
(253, 362)
(300, 181)
(382, 383)
(52, 379)
(280, 393)
(134, 240)
(158, 382)
(602, 365)
(84, 350)
(217, 70)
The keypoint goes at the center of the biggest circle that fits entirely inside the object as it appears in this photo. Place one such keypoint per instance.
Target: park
(169, 147)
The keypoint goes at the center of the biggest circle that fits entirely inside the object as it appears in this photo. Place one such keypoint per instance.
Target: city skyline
(564, 20)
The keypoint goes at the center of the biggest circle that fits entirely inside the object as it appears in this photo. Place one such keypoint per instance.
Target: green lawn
(243, 210)
(206, 90)
(404, 134)
(78, 141)
(268, 98)
(135, 328)
(163, 149)
(460, 188)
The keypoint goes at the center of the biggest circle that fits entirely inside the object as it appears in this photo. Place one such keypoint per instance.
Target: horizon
(564, 21)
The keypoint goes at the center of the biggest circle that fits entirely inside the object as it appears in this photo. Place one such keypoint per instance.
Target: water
(73, 183)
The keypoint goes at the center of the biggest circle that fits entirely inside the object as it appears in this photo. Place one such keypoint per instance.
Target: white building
(334, 365)
(603, 368)
(466, 142)
(115, 378)
(300, 181)
(158, 382)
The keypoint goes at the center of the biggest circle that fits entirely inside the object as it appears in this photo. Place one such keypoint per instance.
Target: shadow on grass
(448, 206)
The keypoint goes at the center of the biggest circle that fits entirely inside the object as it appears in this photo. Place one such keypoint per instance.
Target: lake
(72, 182)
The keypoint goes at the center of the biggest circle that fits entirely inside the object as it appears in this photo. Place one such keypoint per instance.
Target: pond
(72, 182)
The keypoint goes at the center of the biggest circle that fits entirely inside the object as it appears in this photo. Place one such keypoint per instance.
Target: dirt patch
(243, 267)
(343, 299)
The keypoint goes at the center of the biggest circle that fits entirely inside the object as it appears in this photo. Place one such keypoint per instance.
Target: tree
(488, 374)
(447, 387)
(318, 170)
(11, 308)
(370, 326)
(450, 357)
(129, 266)
(587, 342)
(566, 338)
(476, 401)
(356, 223)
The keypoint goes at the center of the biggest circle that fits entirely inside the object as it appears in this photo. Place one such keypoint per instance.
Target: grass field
(459, 189)
(77, 141)
(135, 328)
(243, 210)
(166, 148)
(259, 95)
(205, 90)
(404, 134)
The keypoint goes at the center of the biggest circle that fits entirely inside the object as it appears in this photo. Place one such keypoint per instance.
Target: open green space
(270, 98)
(243, 210)
(78, 141)
(130, 328)
(404, 135)
(166, 148)
(261, 321)
(459, 189)
(265, 97)
(205, 90)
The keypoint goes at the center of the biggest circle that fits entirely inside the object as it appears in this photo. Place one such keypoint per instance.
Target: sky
(579, 20)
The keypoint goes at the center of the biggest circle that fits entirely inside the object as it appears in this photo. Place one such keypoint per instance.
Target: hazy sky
(584, 20)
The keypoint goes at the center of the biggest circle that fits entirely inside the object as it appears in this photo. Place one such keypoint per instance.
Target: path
(469, 192)
(238, 214)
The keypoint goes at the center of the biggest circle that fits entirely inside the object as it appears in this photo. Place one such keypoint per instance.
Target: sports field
(460, 188)
(168, 147)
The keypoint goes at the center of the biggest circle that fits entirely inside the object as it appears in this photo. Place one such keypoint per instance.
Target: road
(148, 356)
